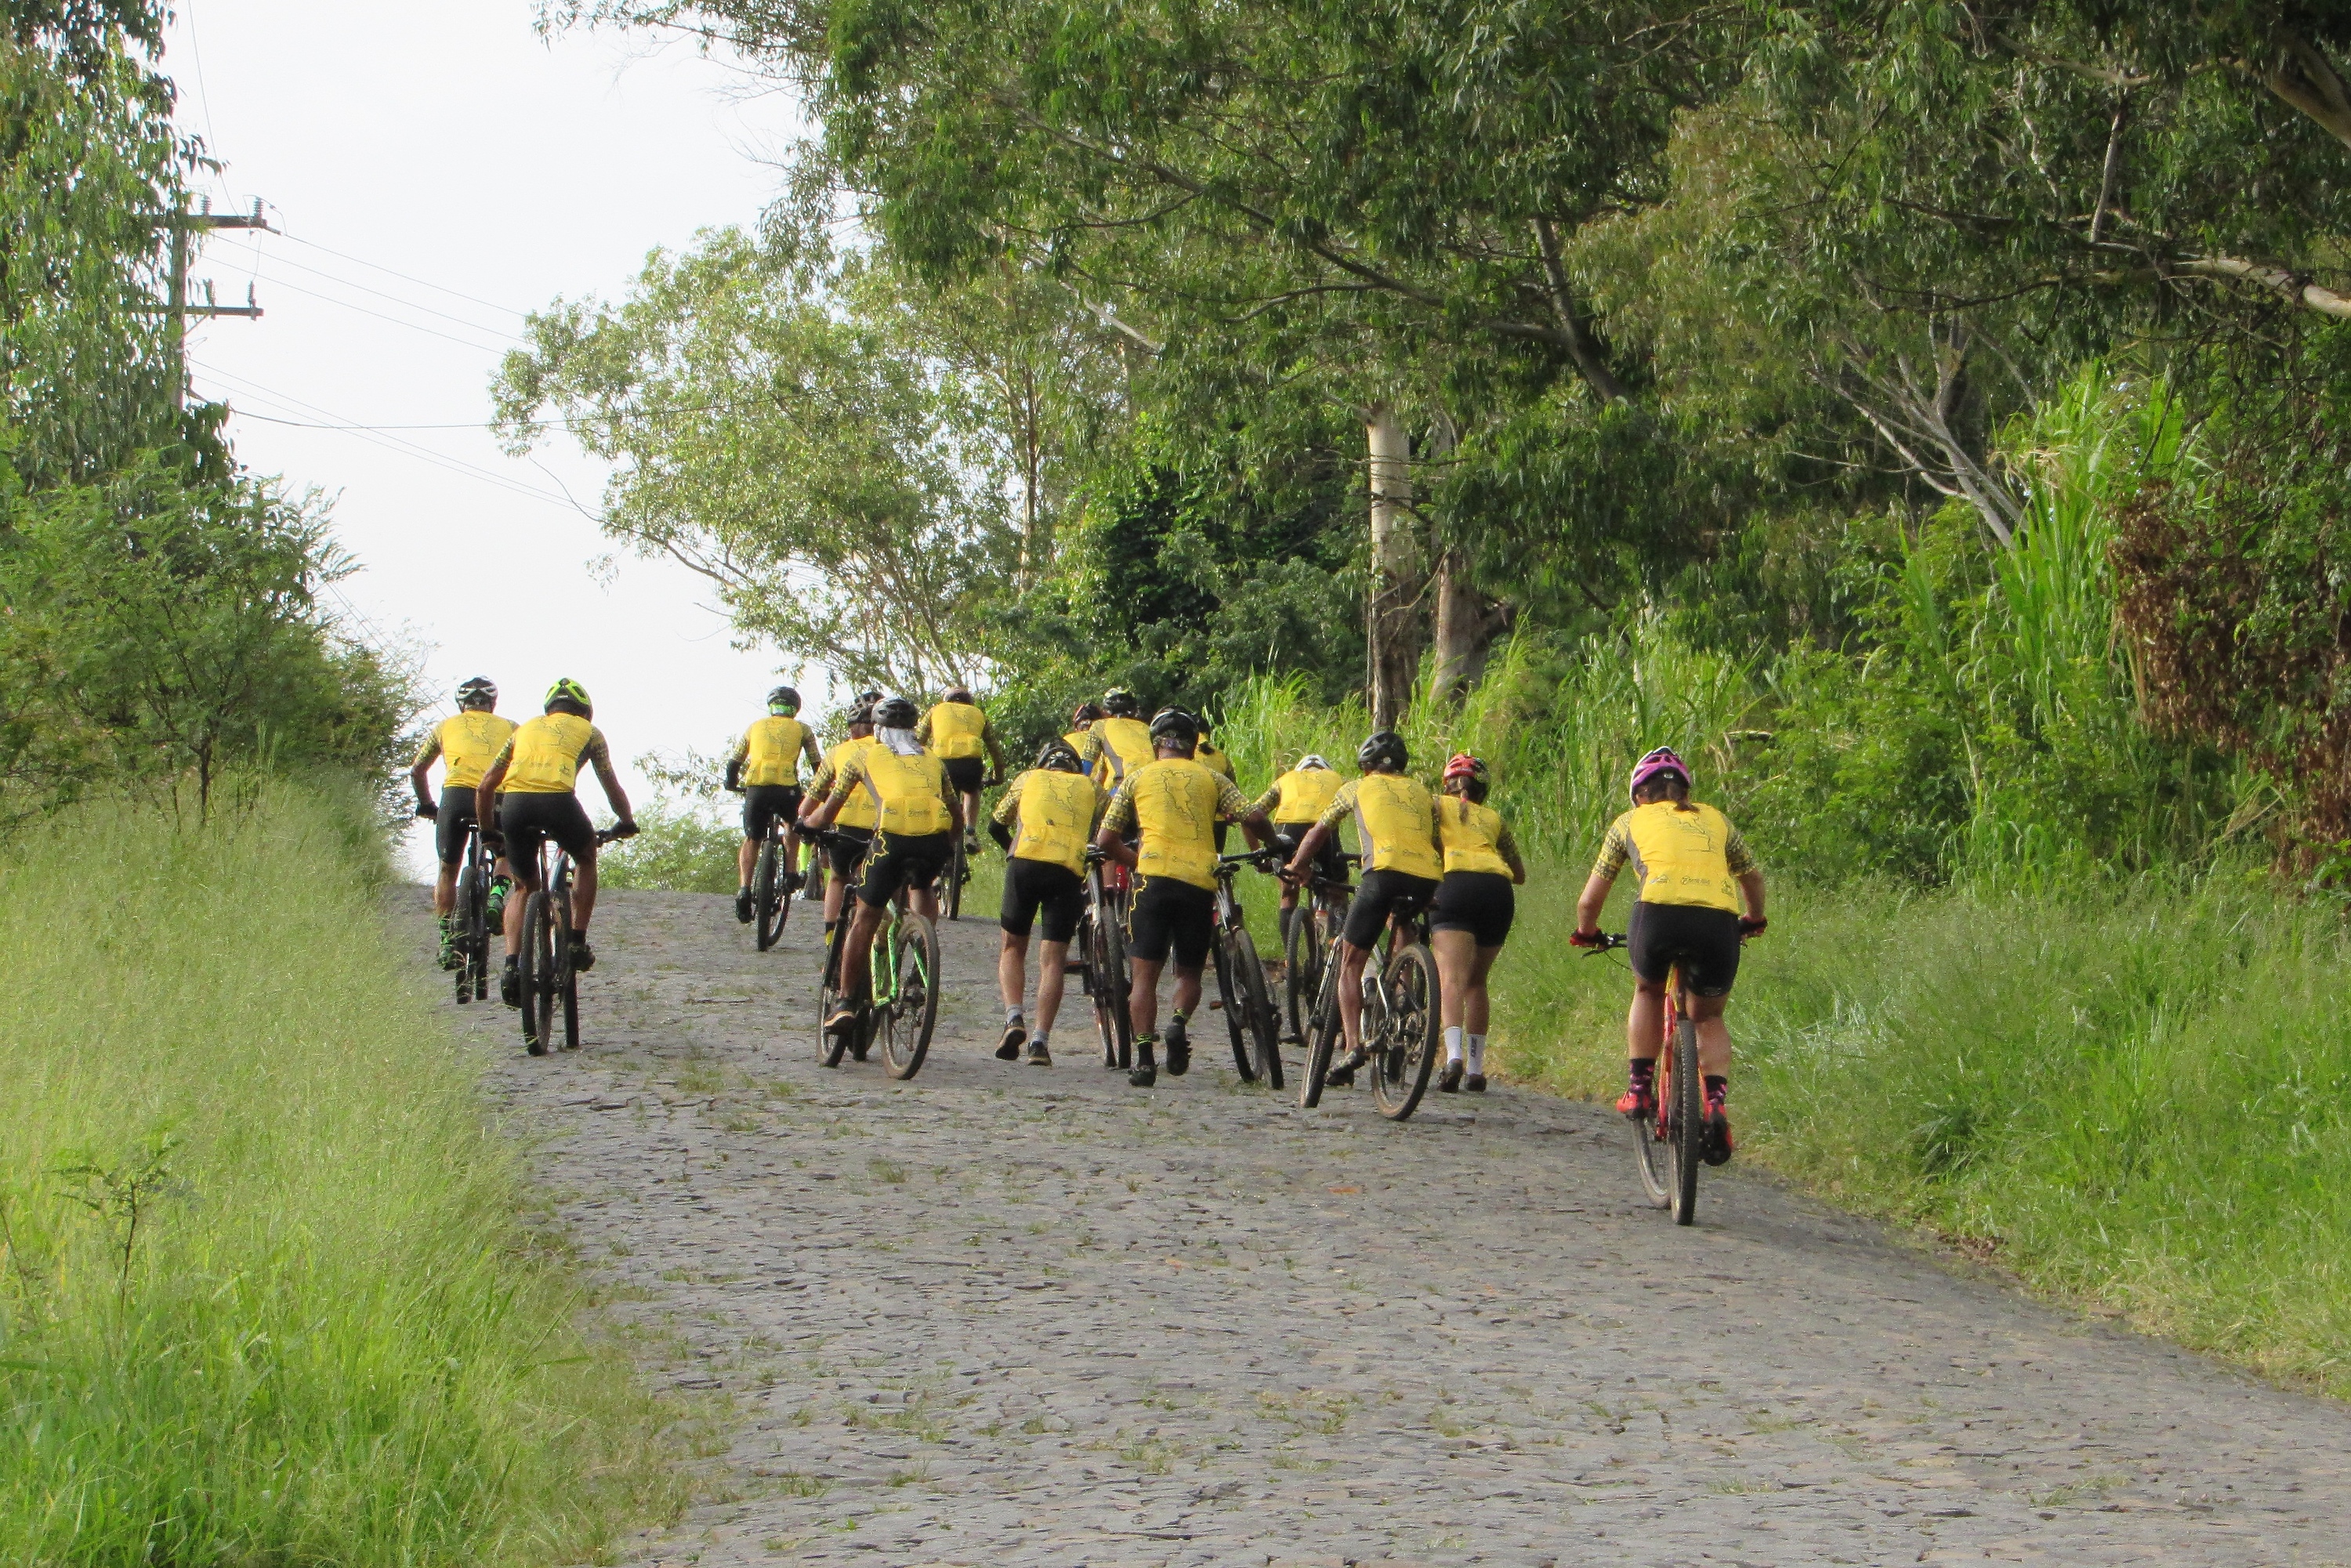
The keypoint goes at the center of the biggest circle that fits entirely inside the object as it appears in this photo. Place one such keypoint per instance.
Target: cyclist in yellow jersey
(1470, 919)
(1215, 761)
(464, 745)
(1294, 803)
(917, 816)
(956, 731)
(537, 769)
(1693, 869)
(1396, 832)
(852, 829)
(1174, 803)
(1119, 742)
(1043, 824)
(1079, 722)
(766, 771)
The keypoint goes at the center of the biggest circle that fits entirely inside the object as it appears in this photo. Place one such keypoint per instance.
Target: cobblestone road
(1007, 1316)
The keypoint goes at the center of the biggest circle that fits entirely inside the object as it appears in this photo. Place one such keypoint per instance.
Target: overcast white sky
(438, 168)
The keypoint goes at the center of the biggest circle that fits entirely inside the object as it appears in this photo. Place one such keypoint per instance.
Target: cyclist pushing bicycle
(1692, 868)
(529, 787)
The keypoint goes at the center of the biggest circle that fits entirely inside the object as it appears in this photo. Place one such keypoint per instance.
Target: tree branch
(2277, 279)
(1578, 338)
(2296, 72)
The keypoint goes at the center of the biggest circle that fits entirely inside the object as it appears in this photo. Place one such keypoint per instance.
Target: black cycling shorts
(1704, 942)
(1033, 885)
(1381, 895)
(905, 860)
(1328, 865)
(449, 823)
(1169, 914)
(1482, 903)
(530, 819)
(763, 803)
(965, 774)
(848, 847)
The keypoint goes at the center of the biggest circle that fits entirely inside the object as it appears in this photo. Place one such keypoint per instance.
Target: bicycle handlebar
(1609, 942)
(1268, 861)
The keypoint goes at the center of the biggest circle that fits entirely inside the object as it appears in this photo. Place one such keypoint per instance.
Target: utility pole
(179, 308)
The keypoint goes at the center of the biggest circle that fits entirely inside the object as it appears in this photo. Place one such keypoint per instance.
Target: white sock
(1453, 1043)
(1477, 1055)
(1011, 1017)
(1037, 1040)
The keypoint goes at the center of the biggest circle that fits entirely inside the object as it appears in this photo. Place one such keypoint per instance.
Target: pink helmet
(1660, 761)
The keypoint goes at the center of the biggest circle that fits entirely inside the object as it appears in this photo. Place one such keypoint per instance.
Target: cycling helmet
(1174, 723)
(895, 713)
(1471, 770)
(1382, 747)
(480, 692)
(1315, 760)
(860, 715)
(1657, 764)
(957, 695)
(784, 700)
(1085, 715)
(567, 690)
(1060, 756)
(1119, 702)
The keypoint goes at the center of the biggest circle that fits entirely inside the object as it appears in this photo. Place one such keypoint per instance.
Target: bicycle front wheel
(468, 935)
(1409, 1032)
(830, 1046)
(1686, 1121)
(1264, 1024)
(1322, 1039)
(958, 873)
(1302, 979)
(1228, 1001)
(906, 1023)
(537, 972)
(1106, 977)
(763, 898)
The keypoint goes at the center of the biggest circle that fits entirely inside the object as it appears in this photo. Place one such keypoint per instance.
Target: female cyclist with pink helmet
(1692, 870)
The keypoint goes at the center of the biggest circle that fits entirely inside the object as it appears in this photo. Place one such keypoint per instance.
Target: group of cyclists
(881, 810)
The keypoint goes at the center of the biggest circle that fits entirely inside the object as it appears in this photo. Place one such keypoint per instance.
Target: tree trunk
(1398, 574)
(1467, 622)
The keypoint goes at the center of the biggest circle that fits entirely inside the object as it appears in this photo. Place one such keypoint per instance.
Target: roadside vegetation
(269, 1292)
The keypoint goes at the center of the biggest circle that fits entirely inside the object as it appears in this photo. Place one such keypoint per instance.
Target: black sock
(1645, 1072)
(1716, 1086)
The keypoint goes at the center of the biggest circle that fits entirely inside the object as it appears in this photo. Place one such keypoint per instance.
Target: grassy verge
(264, 1292)
(2134, 1098)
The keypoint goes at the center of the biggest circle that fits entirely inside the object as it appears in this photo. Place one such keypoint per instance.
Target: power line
(379, 294)
(422, 283)
(411, 326)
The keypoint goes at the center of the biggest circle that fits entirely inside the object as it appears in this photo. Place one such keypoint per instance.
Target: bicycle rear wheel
(829, 1046)
(566, 979)
(1322, 1032)
(958, 873)
(1652, 1151)
(1301, 980)
(1686, 1121)
(464, 914)
(1106, 977)
(1409, 1032)
(906, 1023)
(764, 900)
(536, 958)
(1264, 1024)
(1228, 1001)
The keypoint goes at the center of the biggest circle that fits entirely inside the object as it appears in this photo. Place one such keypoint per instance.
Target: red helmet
(1659, 762)
(1461, 765)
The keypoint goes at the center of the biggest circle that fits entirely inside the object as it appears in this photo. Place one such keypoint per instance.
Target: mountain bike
(1101, 958)
(1313, 932)
(830, 1044)
(901, 991)
(958, 873)
(1669, 1144)
(1402, 1033)
(549, 981)
(473, 913)
(773, 882)
(1240, 978)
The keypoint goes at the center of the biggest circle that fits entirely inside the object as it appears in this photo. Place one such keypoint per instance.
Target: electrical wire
(411, 326)
(379, 294)
(421, 283)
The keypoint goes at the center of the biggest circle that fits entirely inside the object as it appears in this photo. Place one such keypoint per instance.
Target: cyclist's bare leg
(1012, 971)
(744, 860)
(1456, 973)
(1352, 960)
(926, 902)
(1052, 963)
(854, 967)
(791, 851)
(1143, 996)
(1713, 1035)
(514, 915)
(445, 890)
(1644, 1026)
(970, 809)
(583, 891)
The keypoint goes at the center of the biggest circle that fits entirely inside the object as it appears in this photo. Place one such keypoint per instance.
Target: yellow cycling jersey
(1056, 815)
(1300, 795)
(1176, 803)
(1215, 761)
(955, 729)
(1681, 854)
(771, 750)
(1396, 825)
(908, 794)
(856, 812)
(466, 744)
(1472, 835)
(1077, 739)
(1124, 744)
(543, 755)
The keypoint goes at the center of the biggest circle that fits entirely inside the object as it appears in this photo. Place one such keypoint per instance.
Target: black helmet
(895, 713)
(1060, 756)
(784, 700)
(1382, 747)
(479, 692)
(1119, 702)
(1085, 715)
(957, 695)
(867, 699)
(1174, 723)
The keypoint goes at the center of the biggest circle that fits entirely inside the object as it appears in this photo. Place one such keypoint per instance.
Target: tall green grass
(2132, 1095)
(265, 1294)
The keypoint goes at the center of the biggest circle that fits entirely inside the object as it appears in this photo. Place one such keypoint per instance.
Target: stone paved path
(1004, 1316)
